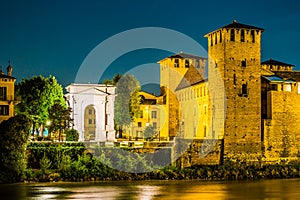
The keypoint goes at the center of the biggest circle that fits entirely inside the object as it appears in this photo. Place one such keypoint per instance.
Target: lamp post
(73, 110)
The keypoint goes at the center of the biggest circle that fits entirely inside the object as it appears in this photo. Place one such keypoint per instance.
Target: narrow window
(139, 124)
(232, 35)
(220, 36)
(244, 89)
(176, 63)
(216, 38)
(154, 125)
(252, 36)
(204, 131)
(90, 111)
(243, 64)
(242, 35)
(234, 79)
(211, 40)
(197, 64)
(4, 110)
(187, 64)
(90, 121)
(153, 114)
(3, 93)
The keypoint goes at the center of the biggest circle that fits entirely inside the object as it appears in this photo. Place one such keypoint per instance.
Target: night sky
(54, 37)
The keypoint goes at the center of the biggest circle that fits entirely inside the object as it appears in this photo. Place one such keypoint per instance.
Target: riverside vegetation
(71, 162)
(40, 161)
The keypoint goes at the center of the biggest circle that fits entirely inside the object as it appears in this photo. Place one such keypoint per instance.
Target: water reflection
(148, 190)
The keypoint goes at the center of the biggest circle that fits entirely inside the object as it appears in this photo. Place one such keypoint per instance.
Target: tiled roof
(235, 24)
(191, 77)
(291, 75)
(147, 95)
(275, 62)
(184, 55)
(278, 79)
(5, 76)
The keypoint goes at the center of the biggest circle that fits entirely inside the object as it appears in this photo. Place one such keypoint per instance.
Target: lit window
(187, 64)
(176, 63)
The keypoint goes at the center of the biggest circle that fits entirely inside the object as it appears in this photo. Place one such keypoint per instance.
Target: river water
(287, 189)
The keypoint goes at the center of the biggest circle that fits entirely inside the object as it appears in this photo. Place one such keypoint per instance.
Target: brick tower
(234, 55)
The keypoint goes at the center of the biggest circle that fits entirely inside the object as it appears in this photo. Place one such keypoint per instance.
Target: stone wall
(282, 129)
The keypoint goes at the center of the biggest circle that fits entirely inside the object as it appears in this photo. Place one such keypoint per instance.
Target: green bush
(14, 134)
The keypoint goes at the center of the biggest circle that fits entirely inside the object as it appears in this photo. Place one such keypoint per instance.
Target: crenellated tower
(234, 53)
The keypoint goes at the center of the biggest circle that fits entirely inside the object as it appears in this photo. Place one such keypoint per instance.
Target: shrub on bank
(67, 166)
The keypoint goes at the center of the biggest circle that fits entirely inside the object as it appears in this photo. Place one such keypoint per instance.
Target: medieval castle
(251, 107)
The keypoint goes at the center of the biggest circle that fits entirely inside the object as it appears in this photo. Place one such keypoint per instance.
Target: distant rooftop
(184, 55)
(291, 75)
(276, 79)
(235, 24)
(275, 62)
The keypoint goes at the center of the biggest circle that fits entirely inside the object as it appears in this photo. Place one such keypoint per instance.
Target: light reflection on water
(147, 190)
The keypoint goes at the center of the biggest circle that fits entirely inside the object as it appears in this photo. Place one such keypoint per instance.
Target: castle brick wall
(282, 129)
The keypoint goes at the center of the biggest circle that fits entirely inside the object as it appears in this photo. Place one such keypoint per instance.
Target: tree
(127, 101)
(149, 132)
(14, 135)
(60, 118)
(37, 95)
(114, 81)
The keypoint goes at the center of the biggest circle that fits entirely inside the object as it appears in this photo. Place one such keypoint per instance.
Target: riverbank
(227, 172)
(71, 162)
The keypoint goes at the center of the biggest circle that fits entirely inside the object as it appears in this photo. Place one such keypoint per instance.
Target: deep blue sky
(54, 37)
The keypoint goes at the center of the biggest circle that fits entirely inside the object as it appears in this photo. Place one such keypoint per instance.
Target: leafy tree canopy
(114, 81)
(127, 101)
(37, 95)
(59, 117)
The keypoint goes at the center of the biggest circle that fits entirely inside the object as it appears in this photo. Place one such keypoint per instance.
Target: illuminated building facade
(92, 110)
(7, 92)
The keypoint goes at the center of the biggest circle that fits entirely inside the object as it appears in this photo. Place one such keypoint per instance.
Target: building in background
(7, 92)
(151, 113)
(92, 110)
